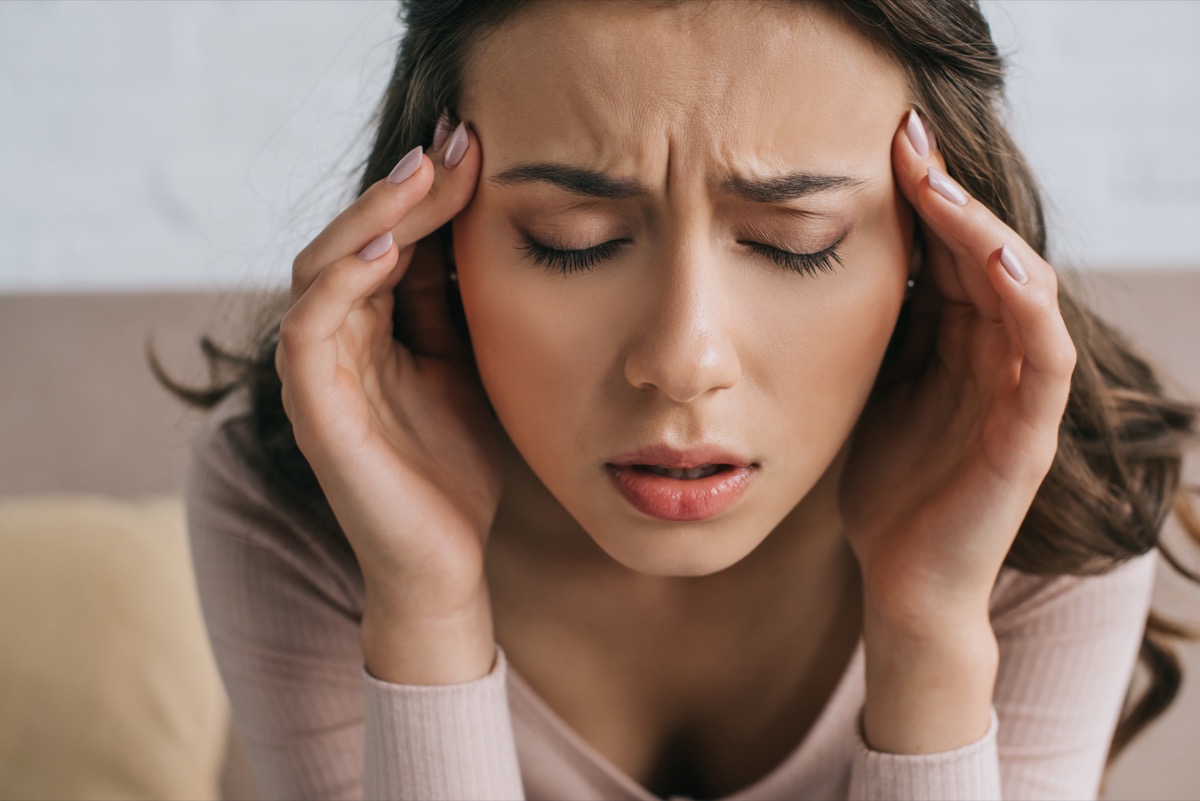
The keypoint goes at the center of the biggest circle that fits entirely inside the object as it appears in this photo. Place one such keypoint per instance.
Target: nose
(686, 346)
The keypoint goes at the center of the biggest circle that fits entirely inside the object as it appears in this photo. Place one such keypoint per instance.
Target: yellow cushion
(108, 688)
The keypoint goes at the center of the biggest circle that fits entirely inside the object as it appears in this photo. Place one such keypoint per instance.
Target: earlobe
(916, 260)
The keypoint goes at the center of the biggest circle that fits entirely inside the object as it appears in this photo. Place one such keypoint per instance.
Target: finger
(317, 315)
(1048, 354)
(974, 235)
(422, 294)
(966, 231)
(458, 165)
(421, 203)
(456, 174)
(308, 344)
(375, 212)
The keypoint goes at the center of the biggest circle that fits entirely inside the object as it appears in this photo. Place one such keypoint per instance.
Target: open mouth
(687, 474)
(681, 494)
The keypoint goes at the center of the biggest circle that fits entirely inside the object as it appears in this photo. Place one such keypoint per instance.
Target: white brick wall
(158, 145)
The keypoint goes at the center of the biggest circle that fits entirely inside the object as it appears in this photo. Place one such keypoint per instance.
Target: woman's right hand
(399, 438)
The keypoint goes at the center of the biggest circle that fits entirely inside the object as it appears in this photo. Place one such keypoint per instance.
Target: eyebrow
(590, 183)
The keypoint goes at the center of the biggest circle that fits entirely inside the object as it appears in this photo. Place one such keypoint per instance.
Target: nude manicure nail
(946, 187)
(1009, 260)
(916, 134)
(407, 166)
(457, 148)
(376, 247)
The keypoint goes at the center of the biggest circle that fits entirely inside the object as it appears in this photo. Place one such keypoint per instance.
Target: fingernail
(1009, 260)
(407, 166)
(457, 147)
(376, 247)
(946, 187)
(916, 134)
(442, 129)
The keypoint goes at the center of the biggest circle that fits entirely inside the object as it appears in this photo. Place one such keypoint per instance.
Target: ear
(918, 253)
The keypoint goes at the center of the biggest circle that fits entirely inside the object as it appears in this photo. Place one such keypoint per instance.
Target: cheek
(828, 347)
(533, 358)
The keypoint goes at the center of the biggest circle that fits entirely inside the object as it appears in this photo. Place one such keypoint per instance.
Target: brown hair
(1116, 475)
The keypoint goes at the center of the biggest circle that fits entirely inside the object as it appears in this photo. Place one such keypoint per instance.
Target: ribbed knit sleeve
(969, 772)
(282, 604)
(447, 742)
(1067, 653)
(284, 630)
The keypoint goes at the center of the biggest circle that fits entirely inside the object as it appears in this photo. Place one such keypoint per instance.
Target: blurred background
(160, 165)
(198, 144)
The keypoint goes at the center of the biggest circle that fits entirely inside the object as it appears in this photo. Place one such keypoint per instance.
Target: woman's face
(694, 146)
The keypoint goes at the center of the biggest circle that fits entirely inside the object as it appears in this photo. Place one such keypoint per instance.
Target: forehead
(629, 85)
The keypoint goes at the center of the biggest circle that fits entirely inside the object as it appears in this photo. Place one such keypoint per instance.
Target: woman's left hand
(945, 463)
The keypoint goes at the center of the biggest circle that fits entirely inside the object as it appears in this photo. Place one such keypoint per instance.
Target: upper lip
(666, 456)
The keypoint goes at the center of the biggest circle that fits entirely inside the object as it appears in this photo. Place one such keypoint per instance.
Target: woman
(688, 421)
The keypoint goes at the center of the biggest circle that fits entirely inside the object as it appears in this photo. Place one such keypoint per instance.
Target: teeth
(684, 473)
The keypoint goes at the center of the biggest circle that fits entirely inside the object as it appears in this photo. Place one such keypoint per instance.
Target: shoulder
(230, 508)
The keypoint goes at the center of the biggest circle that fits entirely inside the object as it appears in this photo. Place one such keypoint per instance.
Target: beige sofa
(109, 690)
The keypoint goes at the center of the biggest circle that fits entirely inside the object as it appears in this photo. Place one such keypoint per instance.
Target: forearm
(929, 688)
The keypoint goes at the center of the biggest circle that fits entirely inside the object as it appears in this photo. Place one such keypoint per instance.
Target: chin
(687, 552)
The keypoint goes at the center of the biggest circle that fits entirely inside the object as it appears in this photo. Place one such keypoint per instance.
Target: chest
(674, 719)
(696, 694)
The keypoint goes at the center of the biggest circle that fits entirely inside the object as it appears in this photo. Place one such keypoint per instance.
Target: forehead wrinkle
(609, 103)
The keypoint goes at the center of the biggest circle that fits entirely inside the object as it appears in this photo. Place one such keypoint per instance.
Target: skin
(701, 339)
(885, 515)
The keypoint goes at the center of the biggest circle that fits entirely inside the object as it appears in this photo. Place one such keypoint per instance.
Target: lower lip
(681, 500)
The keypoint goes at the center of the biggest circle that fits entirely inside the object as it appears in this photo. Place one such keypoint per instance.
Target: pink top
(283, 609)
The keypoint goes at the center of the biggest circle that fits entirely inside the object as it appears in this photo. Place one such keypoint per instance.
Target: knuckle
(1038, 452)
(1062, 355)
(981, 217)
(1043, 459)
(289, 334)
(300, 263)
(1052, 283)
(285, 400)
(335, 278)
(1063, 361)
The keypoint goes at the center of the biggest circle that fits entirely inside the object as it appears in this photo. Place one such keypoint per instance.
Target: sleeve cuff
(451, 741)
(963, 774)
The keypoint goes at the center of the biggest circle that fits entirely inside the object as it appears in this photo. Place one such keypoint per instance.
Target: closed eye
(585, 259)
(804, 263)
(569, 261)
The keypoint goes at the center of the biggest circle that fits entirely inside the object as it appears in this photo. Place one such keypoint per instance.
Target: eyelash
(584, 260)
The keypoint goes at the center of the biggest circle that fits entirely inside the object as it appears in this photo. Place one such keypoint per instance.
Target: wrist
(929, 688)
(428, 648)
